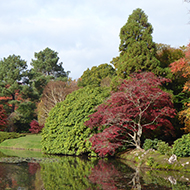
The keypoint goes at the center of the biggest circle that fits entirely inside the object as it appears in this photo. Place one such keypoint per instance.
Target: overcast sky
(85, 33)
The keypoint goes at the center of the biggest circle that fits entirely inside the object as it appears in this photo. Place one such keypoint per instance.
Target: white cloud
(85, 33)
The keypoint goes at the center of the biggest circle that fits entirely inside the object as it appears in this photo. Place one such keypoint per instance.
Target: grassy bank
(153, 159)
(28, 142)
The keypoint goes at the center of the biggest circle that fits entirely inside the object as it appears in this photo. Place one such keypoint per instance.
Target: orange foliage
(182, 67)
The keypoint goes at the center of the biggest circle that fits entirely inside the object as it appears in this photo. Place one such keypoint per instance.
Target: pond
(35, 171)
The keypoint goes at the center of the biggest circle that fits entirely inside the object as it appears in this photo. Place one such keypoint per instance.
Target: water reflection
(74, 173)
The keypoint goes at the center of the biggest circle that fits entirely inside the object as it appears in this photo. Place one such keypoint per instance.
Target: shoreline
(151, 159)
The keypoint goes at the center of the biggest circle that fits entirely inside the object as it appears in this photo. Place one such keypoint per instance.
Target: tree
(12, 72)
(35, 127)
(167, 54)
(138, 107)
(54, 92)
(46, 68)
(47, 64)
(64, 131)
(181, 68)
(137, 50)
(96, 75)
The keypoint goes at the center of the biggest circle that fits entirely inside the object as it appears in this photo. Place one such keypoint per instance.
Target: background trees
(97, 75)
(12, 72)
(181, 68)
(13, 78)
(137, 50)
(54, 92)
(138, 107)
(46, 67)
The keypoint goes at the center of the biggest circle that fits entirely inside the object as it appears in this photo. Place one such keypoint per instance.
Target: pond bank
(152, 159)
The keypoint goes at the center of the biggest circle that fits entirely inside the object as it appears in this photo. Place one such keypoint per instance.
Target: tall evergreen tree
(137, 49)
(46, 67)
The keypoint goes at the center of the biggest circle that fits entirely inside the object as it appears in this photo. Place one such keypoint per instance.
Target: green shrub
(163, 148)
(11, 135)
(181, 146)
(64, 131)
(148, 144)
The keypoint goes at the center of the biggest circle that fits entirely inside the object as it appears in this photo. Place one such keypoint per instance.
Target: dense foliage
(137, 50)
(12, 71)
(150, 144)
(35, 127)
(95, 76)
(46, 63)
(139, 107)
(181, 68)
(181, 146)
(12, 135)
(64, 131)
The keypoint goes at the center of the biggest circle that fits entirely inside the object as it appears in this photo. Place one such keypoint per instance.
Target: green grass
(29, 142)
(20, 153)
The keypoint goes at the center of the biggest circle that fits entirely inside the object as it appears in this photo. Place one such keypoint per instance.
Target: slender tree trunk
(13, 105)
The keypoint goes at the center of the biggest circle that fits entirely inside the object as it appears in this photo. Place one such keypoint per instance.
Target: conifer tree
(137, 49)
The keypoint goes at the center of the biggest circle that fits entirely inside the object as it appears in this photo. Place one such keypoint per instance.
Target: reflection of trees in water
(113, 175)
(14, 176)
(69, 173)
(104, 174)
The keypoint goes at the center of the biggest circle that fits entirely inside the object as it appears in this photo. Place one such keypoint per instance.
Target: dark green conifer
(137, 49)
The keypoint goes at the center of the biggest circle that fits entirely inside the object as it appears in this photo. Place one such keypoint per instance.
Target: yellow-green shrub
(64, 131)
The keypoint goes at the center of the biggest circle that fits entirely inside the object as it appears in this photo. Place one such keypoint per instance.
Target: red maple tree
(139, 105)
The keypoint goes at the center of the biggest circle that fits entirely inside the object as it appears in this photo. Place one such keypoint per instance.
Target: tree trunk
(13, 105)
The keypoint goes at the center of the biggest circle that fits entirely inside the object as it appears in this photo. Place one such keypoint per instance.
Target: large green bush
(64, 131)
(181, 146)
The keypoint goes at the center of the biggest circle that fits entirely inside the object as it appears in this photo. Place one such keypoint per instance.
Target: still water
(39, 172)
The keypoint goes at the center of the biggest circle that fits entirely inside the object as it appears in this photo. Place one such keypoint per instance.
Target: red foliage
(35, 127)
(3, 118)
(139, 105)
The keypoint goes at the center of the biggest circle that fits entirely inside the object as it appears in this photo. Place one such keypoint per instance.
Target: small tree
(140, 105)
(35, 127)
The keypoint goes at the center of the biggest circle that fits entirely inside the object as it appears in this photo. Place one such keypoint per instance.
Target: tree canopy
(12, 72)
(137, 50)
(96, 75)
(181, 68)
(139, 106)
(45, 68)
(46, 62)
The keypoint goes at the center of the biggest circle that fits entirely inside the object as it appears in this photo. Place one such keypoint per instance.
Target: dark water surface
(72, 173)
